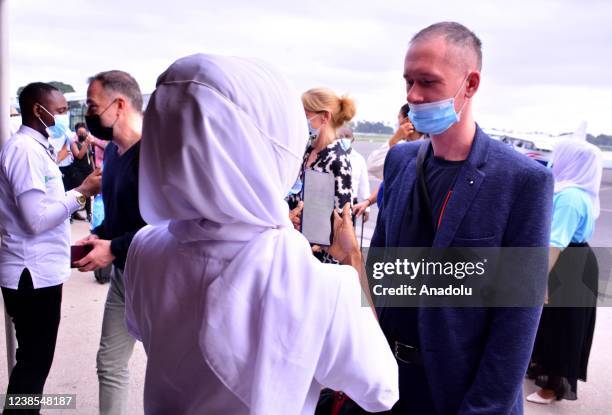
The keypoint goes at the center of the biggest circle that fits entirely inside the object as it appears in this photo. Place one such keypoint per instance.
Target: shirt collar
(30, 132)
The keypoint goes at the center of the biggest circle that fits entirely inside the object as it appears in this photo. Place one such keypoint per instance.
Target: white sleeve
(376, 161)
(356, 358)
(24, 169)
(363, 192)
(40, 215)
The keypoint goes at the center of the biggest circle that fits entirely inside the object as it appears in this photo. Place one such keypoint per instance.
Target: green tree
(372, 128)
(602, 141)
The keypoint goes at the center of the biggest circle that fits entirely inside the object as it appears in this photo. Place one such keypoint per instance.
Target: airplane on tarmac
(540, 146)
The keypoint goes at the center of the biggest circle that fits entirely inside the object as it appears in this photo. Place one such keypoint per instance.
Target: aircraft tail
(581, 132)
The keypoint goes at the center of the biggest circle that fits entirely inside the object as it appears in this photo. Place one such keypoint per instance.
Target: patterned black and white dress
(335, 160)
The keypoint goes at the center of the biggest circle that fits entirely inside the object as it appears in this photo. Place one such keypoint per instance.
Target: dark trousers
(415, 395)
(36, 316)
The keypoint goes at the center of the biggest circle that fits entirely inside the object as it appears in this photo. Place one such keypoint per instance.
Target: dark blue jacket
(475, 359)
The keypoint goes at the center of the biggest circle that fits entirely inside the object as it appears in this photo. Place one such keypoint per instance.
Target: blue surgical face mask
(61, 125)
(313, 133)
(434, 118)
(345, 143)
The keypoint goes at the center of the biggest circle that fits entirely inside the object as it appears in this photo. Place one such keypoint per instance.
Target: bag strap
(420, 176)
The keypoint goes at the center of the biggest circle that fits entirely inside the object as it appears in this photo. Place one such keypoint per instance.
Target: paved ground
(74, 369)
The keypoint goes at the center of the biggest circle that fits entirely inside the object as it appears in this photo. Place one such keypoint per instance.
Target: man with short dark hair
(35, 249)
(460, 189)
(114, 113)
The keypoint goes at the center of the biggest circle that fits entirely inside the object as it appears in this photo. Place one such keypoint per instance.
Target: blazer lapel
(466, 188)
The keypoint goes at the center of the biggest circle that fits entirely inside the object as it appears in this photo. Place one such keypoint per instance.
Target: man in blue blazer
(461, 188)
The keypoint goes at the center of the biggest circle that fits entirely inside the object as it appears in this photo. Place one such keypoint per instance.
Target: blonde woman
(326, 113)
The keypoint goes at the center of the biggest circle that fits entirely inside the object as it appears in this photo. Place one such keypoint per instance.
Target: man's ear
(37, 110)
(121, 103)
(473, 82)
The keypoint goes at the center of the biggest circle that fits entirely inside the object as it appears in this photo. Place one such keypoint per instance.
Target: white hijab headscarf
(578, 163)
(223, 141)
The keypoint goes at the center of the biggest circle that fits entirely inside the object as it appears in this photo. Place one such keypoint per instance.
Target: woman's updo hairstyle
(342, 109)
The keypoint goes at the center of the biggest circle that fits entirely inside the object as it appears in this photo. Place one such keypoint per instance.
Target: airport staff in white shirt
(359, 169)
(34, 225)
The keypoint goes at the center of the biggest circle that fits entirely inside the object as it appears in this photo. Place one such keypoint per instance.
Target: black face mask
(82, 138)
(94, 125)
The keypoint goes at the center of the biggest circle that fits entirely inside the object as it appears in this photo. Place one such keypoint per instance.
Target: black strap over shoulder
(420, 176)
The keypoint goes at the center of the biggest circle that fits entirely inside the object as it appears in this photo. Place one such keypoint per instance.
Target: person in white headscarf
(563, 343)
(235, 313)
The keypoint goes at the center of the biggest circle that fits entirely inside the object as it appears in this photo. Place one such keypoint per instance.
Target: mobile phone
(319, 201)
(78, 252)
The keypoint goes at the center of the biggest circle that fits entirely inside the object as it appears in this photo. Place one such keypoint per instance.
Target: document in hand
(319, 203)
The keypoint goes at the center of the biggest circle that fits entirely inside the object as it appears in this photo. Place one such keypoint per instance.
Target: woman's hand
(360, 209)
(404, 132)
(345, 241)
(295, 215)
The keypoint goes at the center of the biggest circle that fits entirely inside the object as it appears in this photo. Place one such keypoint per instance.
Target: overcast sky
(546, 64)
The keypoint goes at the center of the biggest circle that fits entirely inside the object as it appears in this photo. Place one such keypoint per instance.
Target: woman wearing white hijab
(563, 343)
(235, 314)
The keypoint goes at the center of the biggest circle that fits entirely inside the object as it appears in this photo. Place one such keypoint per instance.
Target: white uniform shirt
(361, 182)
(26, 164)
(376, 161)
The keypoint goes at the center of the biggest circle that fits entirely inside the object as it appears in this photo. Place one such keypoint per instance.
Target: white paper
(319, 200)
